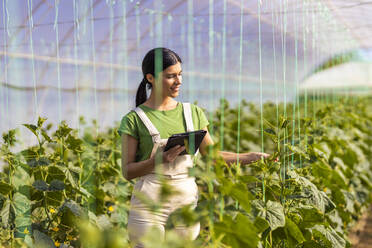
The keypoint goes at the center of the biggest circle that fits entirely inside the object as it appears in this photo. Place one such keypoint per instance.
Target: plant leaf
(272, 211)
(42, 240)
(245, 237)
(5, 188)
(7, 212)
(329, 236)
(74, 144)
(310, 216)
(293, 230)
(45, 135)
(32, 128)
(40, 121)
(40, 185)
(73, 207)
(54, 198)
(318, 198)
(103, 222)
(56, 185)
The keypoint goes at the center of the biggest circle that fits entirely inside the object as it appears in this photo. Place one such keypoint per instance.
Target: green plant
(69, 191)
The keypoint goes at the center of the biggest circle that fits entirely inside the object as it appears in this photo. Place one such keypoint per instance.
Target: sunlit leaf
(272, 211)
(32, 128)
(40, 121)
(328, 236)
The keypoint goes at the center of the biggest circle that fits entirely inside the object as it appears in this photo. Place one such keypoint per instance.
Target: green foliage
(69, 190)
(46, 189)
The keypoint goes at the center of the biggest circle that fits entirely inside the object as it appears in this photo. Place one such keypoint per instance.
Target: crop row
(68, 190)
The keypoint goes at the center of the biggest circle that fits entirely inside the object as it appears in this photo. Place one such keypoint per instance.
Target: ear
(150, 78)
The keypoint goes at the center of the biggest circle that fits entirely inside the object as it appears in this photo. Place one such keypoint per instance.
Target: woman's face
(170, 80)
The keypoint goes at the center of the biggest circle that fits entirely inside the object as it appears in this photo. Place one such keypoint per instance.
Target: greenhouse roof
(347, 76)
(112, 34)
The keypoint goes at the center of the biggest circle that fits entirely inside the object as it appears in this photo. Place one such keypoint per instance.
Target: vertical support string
(111, 81)
(313, 95)
(222, 102)
(282, 7)
(240, 78)
(76, 67)
(304, 32)
(261, 103)
(211, 62)
(124, 58)
(56, 5)
(94, 64)
(295, 92)
(5, 48)
(190, 42)
(274, 20)
(159, 27)
(285, 78)
(31, 25)
(138, 34)
(211, 72)
(224, 77)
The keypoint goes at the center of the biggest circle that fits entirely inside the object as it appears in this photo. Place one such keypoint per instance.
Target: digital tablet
(191, 140)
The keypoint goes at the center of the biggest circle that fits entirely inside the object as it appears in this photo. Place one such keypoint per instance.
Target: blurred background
(65, 59)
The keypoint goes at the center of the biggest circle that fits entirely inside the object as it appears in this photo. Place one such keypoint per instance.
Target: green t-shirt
(167, 122)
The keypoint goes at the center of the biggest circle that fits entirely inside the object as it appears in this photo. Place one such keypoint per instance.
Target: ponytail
(141, 95)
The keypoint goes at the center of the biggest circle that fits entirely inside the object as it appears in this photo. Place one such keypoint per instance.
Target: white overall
(141, 218)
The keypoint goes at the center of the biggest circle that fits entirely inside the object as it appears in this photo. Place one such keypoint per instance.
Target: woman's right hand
(170, 155)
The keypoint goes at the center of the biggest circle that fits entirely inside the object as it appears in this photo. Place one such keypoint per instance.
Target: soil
(361, 233)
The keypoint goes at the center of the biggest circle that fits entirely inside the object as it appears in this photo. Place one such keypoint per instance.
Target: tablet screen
(191, 140)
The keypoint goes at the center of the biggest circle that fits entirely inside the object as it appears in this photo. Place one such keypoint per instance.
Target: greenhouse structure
(186, 123)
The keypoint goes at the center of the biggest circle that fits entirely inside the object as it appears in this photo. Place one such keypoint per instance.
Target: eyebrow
(172, 73)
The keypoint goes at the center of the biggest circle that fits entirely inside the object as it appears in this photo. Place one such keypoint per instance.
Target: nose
(179, 79)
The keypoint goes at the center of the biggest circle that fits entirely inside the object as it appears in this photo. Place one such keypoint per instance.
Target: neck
(160, 103)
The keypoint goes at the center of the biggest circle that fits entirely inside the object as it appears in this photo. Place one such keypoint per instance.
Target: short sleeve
(128, 125)
(203, 121)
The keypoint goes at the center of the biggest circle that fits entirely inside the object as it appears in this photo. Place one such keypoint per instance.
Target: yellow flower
(69, 237)
(55, 229)
(26, 231)
(56, 243)
(325, 189)
(111, 209)
(52, 210)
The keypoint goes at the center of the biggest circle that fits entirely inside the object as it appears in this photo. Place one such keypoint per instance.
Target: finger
(178, 150)
(265, 155)
(175, 151)
(174, 148)
(181, 149)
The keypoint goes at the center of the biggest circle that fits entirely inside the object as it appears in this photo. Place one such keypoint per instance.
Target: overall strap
(188, 116)
(150, 127)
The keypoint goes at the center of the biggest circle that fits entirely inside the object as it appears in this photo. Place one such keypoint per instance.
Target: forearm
(137, 169)
(232, 157)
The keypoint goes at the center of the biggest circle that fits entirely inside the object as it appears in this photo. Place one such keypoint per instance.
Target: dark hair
(155, 61)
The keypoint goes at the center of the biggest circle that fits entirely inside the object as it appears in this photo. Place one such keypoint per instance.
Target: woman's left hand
(254, 156)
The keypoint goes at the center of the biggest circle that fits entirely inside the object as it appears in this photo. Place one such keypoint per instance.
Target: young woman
(144, 134)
